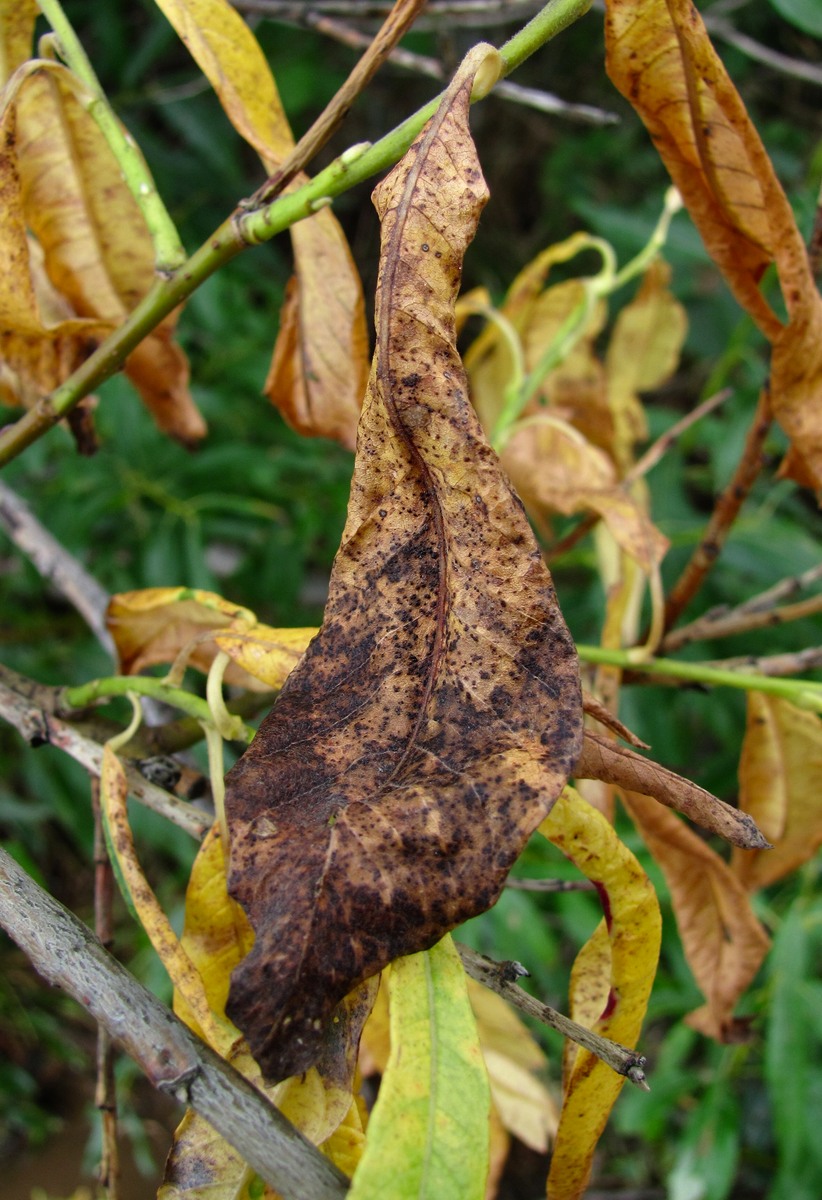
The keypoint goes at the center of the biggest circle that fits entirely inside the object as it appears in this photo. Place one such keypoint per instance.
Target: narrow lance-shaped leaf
(428, 1137)
(660, 56)
(634, 926)
(723, 941)
(434, 719)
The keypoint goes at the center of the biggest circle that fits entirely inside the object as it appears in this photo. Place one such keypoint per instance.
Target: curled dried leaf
(603, 759)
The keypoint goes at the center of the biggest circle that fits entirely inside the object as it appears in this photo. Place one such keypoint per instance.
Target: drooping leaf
(723, 941)
(555, 468)
(513, 1059)
(320, 364)
(779, 774)
(643, 352)
(660, 56)
(434, 719)
(157, 625)
(634, 928)
(603, 759)
(98, 254)
(588, 988)
(428, 1136)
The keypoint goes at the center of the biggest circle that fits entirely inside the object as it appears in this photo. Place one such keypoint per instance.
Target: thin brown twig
(56, 564)
(776, 665)
(550, 885)
(399, 21)
(796, 68)
(736, 622)
(105, 1092)
(466, 13)
(422, 64)
(724, 514)
(502, 977)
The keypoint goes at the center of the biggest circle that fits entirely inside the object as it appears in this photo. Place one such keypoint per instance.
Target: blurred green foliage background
(256, 514)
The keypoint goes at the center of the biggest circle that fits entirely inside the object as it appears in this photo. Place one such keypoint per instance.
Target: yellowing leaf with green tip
(634, 929)
(320, 365)
(779, 774)
(156, 625)
(428, 1136)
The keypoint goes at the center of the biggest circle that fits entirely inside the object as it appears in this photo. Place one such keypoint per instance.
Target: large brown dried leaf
(779, 774)
(660, 57)
(433, 721)
(723, 941)
(320, 365)
(603, 759)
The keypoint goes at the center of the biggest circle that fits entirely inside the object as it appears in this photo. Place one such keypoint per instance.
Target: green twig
(168, 249)
(804, 693)
(86, 694)
(244, 229)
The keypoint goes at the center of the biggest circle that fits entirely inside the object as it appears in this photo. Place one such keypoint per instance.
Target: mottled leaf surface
(435, 718)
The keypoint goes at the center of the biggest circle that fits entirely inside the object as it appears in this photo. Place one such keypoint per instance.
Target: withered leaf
(434, 719)
(660, 56)
(603, 759)
(723, 941)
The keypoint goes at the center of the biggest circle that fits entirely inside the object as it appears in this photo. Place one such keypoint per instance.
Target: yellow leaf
(17, 18)
(228, 54)
(779, 774)
(513, 1058)
(428, 1136)
(723, 941)
(634, 929)
(319, 370)
(157, 625)
(643, 352)
(589, 988)
(320, 365)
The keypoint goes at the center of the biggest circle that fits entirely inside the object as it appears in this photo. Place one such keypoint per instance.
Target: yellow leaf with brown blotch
(634, 927)
(436, 714)
(320, 365)
(660, 57)
(588, 989)
(161, 625)
(723, 941)
(779, 774)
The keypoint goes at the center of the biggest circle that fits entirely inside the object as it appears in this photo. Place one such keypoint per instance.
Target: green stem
(804, 693)
(168, 249)
(354, 166)
(86, 694)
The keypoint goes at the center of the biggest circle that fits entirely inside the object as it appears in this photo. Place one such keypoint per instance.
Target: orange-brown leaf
(603, 759)
(433, 720)
(660, 56)
(779, 774)
(723, 941)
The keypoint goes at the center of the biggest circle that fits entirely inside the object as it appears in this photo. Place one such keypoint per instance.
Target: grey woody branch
(68, 954)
